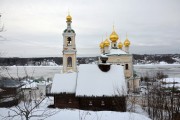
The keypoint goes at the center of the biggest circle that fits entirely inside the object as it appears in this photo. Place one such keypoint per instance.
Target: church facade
(90, 87)
(118, 54)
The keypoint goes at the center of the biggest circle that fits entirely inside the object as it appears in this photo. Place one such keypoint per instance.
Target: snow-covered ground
(102, 115)
(75, 114)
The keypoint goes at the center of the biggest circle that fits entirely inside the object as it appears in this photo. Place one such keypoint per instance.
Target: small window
(126, 67)
(118, 60)
(69, 41)
(113, 102)
(70, 101)
(102, 103)
(90, 103)
(69, 62)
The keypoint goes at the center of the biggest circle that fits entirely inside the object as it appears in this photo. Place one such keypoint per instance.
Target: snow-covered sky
(33, 28)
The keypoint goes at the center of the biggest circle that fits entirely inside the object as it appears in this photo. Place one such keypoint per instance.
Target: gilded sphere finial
(114, 36)
(120, 45)
(101, 45)
(69, 18)
(106, 43)
(127, 42)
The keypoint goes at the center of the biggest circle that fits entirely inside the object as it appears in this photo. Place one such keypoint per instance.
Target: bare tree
(31, 103)
(132, 101)
(1, 30)
(162, 103)
(1, 26)
(30, 106)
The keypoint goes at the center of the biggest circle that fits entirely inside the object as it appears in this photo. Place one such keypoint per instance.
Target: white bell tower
(69, 47)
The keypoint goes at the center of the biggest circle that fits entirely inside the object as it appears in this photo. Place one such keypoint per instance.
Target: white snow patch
(163, 63)
(116, 52)
(81, 115)
(102, 55)
(73, 114)
(101, 115)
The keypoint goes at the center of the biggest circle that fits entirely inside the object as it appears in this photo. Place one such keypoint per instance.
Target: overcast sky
(33, 28)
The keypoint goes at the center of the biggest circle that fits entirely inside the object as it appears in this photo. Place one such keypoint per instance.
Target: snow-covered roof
(116, 52)
(44, 83)
(34, 85)
(94, 82)
(10, 83)
(64, 83)
(102, 55)
(29, 84)
(171, 80)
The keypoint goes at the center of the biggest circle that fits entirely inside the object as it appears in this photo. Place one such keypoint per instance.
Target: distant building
(89, 86)
(9, 92)
(171, 83)
(35, 90)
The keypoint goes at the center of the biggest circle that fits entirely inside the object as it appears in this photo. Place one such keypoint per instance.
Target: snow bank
(65, 114)
(73, 114)
(101, 115)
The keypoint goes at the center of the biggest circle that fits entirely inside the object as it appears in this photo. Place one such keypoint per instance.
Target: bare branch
(8, 73)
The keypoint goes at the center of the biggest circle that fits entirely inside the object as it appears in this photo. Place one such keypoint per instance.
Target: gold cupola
(106, 43)
(114, 36)
(101, 45)
(127, 42)
(120, 45)
(69, 18)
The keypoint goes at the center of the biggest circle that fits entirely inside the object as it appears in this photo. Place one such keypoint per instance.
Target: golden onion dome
(120, 45)
(114, 36)
(68, 18)
(127, 43)
(101, 45)
(106, 43)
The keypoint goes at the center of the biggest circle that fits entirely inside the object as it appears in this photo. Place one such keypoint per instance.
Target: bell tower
(69, 47)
